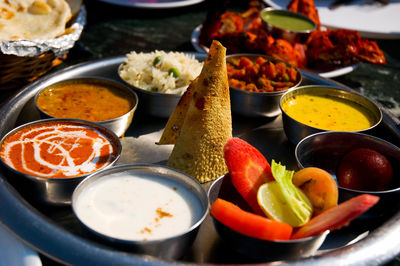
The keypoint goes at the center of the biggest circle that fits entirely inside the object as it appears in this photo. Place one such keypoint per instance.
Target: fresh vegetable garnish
(319, 186)
(248, 223)
(274, 205)
(282, 200)
(337, 217)
(248, 169)
(282, 196)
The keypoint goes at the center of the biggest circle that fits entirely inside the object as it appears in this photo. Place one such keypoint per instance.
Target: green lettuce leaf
(297, 201)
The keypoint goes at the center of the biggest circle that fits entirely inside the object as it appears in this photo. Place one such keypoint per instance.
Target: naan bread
(207, 121)
(33, 19)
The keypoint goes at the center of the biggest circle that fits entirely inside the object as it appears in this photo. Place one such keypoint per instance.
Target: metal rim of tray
(45, 236)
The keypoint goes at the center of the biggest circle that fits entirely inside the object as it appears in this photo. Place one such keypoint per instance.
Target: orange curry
(87, 101)
(58, 149)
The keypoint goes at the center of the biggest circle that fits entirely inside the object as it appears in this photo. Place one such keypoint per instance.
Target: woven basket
(16, 71)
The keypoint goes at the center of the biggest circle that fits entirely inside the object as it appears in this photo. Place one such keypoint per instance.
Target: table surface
(116, 30)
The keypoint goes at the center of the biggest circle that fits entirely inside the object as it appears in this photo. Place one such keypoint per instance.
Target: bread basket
(22, 61)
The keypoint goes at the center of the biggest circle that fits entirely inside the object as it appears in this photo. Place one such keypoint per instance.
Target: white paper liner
(144, 149)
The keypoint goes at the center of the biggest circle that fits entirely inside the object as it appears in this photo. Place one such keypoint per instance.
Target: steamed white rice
(138, 70)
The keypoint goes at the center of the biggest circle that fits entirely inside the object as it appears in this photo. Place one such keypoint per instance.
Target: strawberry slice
(248, 169)
(336, 217)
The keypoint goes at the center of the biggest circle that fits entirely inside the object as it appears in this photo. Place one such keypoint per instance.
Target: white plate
(335, 73)
(153, 4)
(326, 74)
(370, 18)
(194, 39)
(14, 252)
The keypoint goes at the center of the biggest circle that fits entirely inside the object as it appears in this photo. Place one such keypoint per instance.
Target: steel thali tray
(55, 232)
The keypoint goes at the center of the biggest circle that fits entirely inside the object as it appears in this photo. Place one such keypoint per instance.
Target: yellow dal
(92, 102)
(328, 113)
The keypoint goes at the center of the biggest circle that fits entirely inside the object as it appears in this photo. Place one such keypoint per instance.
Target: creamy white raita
(134, 207)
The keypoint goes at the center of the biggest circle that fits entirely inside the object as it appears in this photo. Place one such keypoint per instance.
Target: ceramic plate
(326, 74)
(369, 17)
(153, 4)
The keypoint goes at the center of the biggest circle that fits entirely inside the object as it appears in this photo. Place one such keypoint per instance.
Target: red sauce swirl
(58, 149)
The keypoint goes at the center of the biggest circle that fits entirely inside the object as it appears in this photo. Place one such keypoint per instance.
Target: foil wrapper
(59, 46)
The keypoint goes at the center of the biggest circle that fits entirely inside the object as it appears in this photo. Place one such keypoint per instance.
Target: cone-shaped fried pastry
(207, 125)
(175, 121)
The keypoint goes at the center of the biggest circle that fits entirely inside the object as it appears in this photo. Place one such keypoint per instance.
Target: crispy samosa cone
(207, 125)
(177, 117)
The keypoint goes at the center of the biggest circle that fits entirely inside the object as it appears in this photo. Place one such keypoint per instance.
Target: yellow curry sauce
(328, 113)
(87, 101)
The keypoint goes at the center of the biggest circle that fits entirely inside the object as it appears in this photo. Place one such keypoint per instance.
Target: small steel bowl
(256, 104)
(170, 248)
(326, 149)
(156, 103)
(284, 31)
(295, 130)
(258, 249)
(118, 125)
(53, 190)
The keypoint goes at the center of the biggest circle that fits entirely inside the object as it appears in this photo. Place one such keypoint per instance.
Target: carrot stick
(248, 223)
(337, 217)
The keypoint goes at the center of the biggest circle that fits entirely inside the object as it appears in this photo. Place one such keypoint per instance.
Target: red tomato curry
(58, 149)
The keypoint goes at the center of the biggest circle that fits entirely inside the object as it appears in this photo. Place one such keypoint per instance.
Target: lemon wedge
(275, 206)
